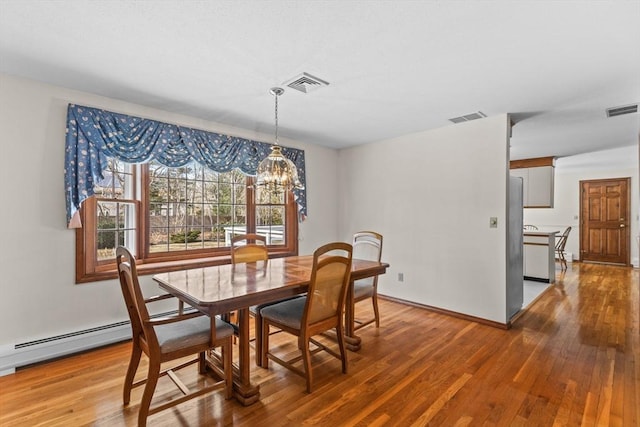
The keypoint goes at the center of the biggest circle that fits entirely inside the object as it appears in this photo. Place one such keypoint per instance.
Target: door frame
(627, 216)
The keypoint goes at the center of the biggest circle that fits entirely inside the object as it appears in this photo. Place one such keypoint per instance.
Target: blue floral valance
(93, 135)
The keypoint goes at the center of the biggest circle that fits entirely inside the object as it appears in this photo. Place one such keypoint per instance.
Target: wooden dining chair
(560, 244)
(166, 339)
(248, 248)
(319, 311)
(252, 248)
(367, 245)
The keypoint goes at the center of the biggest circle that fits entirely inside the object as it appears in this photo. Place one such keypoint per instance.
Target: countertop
(539, 233)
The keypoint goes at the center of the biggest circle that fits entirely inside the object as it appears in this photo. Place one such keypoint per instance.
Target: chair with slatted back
(321, 310)
(562, 242)
(167, 339)
(367, 245)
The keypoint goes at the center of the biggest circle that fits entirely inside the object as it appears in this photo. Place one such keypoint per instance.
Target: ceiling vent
(468, 117)
(618, 111)
(305, 83)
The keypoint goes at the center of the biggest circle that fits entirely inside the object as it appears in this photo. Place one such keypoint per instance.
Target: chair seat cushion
(362, 289)
(254, 309)
(190, 333)
(287, 312)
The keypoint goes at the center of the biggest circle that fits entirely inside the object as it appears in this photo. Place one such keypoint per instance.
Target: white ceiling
(394, 67)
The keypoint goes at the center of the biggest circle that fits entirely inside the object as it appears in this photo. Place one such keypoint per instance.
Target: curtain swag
(92, 135)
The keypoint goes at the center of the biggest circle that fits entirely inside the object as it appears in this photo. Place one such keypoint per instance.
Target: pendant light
(276, 173)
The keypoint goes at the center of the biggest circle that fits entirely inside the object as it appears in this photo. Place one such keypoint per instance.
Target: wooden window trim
(89, 269)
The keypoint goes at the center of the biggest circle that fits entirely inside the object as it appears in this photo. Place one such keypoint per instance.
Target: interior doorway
(604, 224)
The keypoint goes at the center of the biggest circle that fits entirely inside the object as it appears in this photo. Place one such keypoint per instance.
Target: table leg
(352, 341)
(243, 390)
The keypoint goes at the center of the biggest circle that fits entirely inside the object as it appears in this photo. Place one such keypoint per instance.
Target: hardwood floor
(572, 359)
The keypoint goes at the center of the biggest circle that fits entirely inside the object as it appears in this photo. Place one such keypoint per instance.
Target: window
(193, 208)
(115, 210)
(174, 218)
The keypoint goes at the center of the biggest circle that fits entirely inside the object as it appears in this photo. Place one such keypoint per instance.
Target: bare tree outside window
(190, 207)
(168, 214)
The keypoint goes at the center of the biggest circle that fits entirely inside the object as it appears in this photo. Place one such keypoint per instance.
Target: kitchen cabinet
(537, 179)
(539, 256)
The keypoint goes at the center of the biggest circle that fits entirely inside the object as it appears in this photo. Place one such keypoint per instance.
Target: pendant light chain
(276, 96)
(277, 173)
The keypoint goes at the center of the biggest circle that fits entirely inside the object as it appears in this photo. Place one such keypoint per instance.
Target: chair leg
(264, 346)
(227, 359)
(562, 260)
(202, 366)
(134, 361)
(374, 299)
(258, 334)
(306, 358)
(343, 353)
(147, 395)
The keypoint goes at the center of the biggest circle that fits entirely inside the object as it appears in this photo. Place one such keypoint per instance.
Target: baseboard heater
(30, 352)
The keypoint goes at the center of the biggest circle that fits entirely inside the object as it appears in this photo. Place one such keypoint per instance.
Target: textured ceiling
(394, 67)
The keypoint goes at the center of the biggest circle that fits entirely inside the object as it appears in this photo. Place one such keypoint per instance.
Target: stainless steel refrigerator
(515, 276)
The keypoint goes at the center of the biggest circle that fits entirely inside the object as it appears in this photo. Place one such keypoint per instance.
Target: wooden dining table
(225, 288)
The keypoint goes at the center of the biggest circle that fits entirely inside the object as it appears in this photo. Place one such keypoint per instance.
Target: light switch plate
(493, 222)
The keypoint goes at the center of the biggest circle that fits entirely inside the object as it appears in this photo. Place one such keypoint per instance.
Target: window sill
(147, 268)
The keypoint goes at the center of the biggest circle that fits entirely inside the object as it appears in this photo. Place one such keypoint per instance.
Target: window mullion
(251, 205)
(147, 223)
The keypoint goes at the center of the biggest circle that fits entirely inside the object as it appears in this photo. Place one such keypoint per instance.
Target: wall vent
(625, 109)
(468, 117)
(305, 83)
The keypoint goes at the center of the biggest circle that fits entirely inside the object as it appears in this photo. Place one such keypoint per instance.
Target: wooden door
(604, 224)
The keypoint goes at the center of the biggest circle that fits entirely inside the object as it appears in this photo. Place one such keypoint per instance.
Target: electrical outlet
(400, 277)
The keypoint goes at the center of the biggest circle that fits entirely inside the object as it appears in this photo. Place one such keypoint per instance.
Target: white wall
(431, 195)
(569, 171)
(433, 208)
(37, 252)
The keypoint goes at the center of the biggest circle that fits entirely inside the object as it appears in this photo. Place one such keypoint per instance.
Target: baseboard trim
(51, 348)
(448, 312)
(30, 352)
(537, 279)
